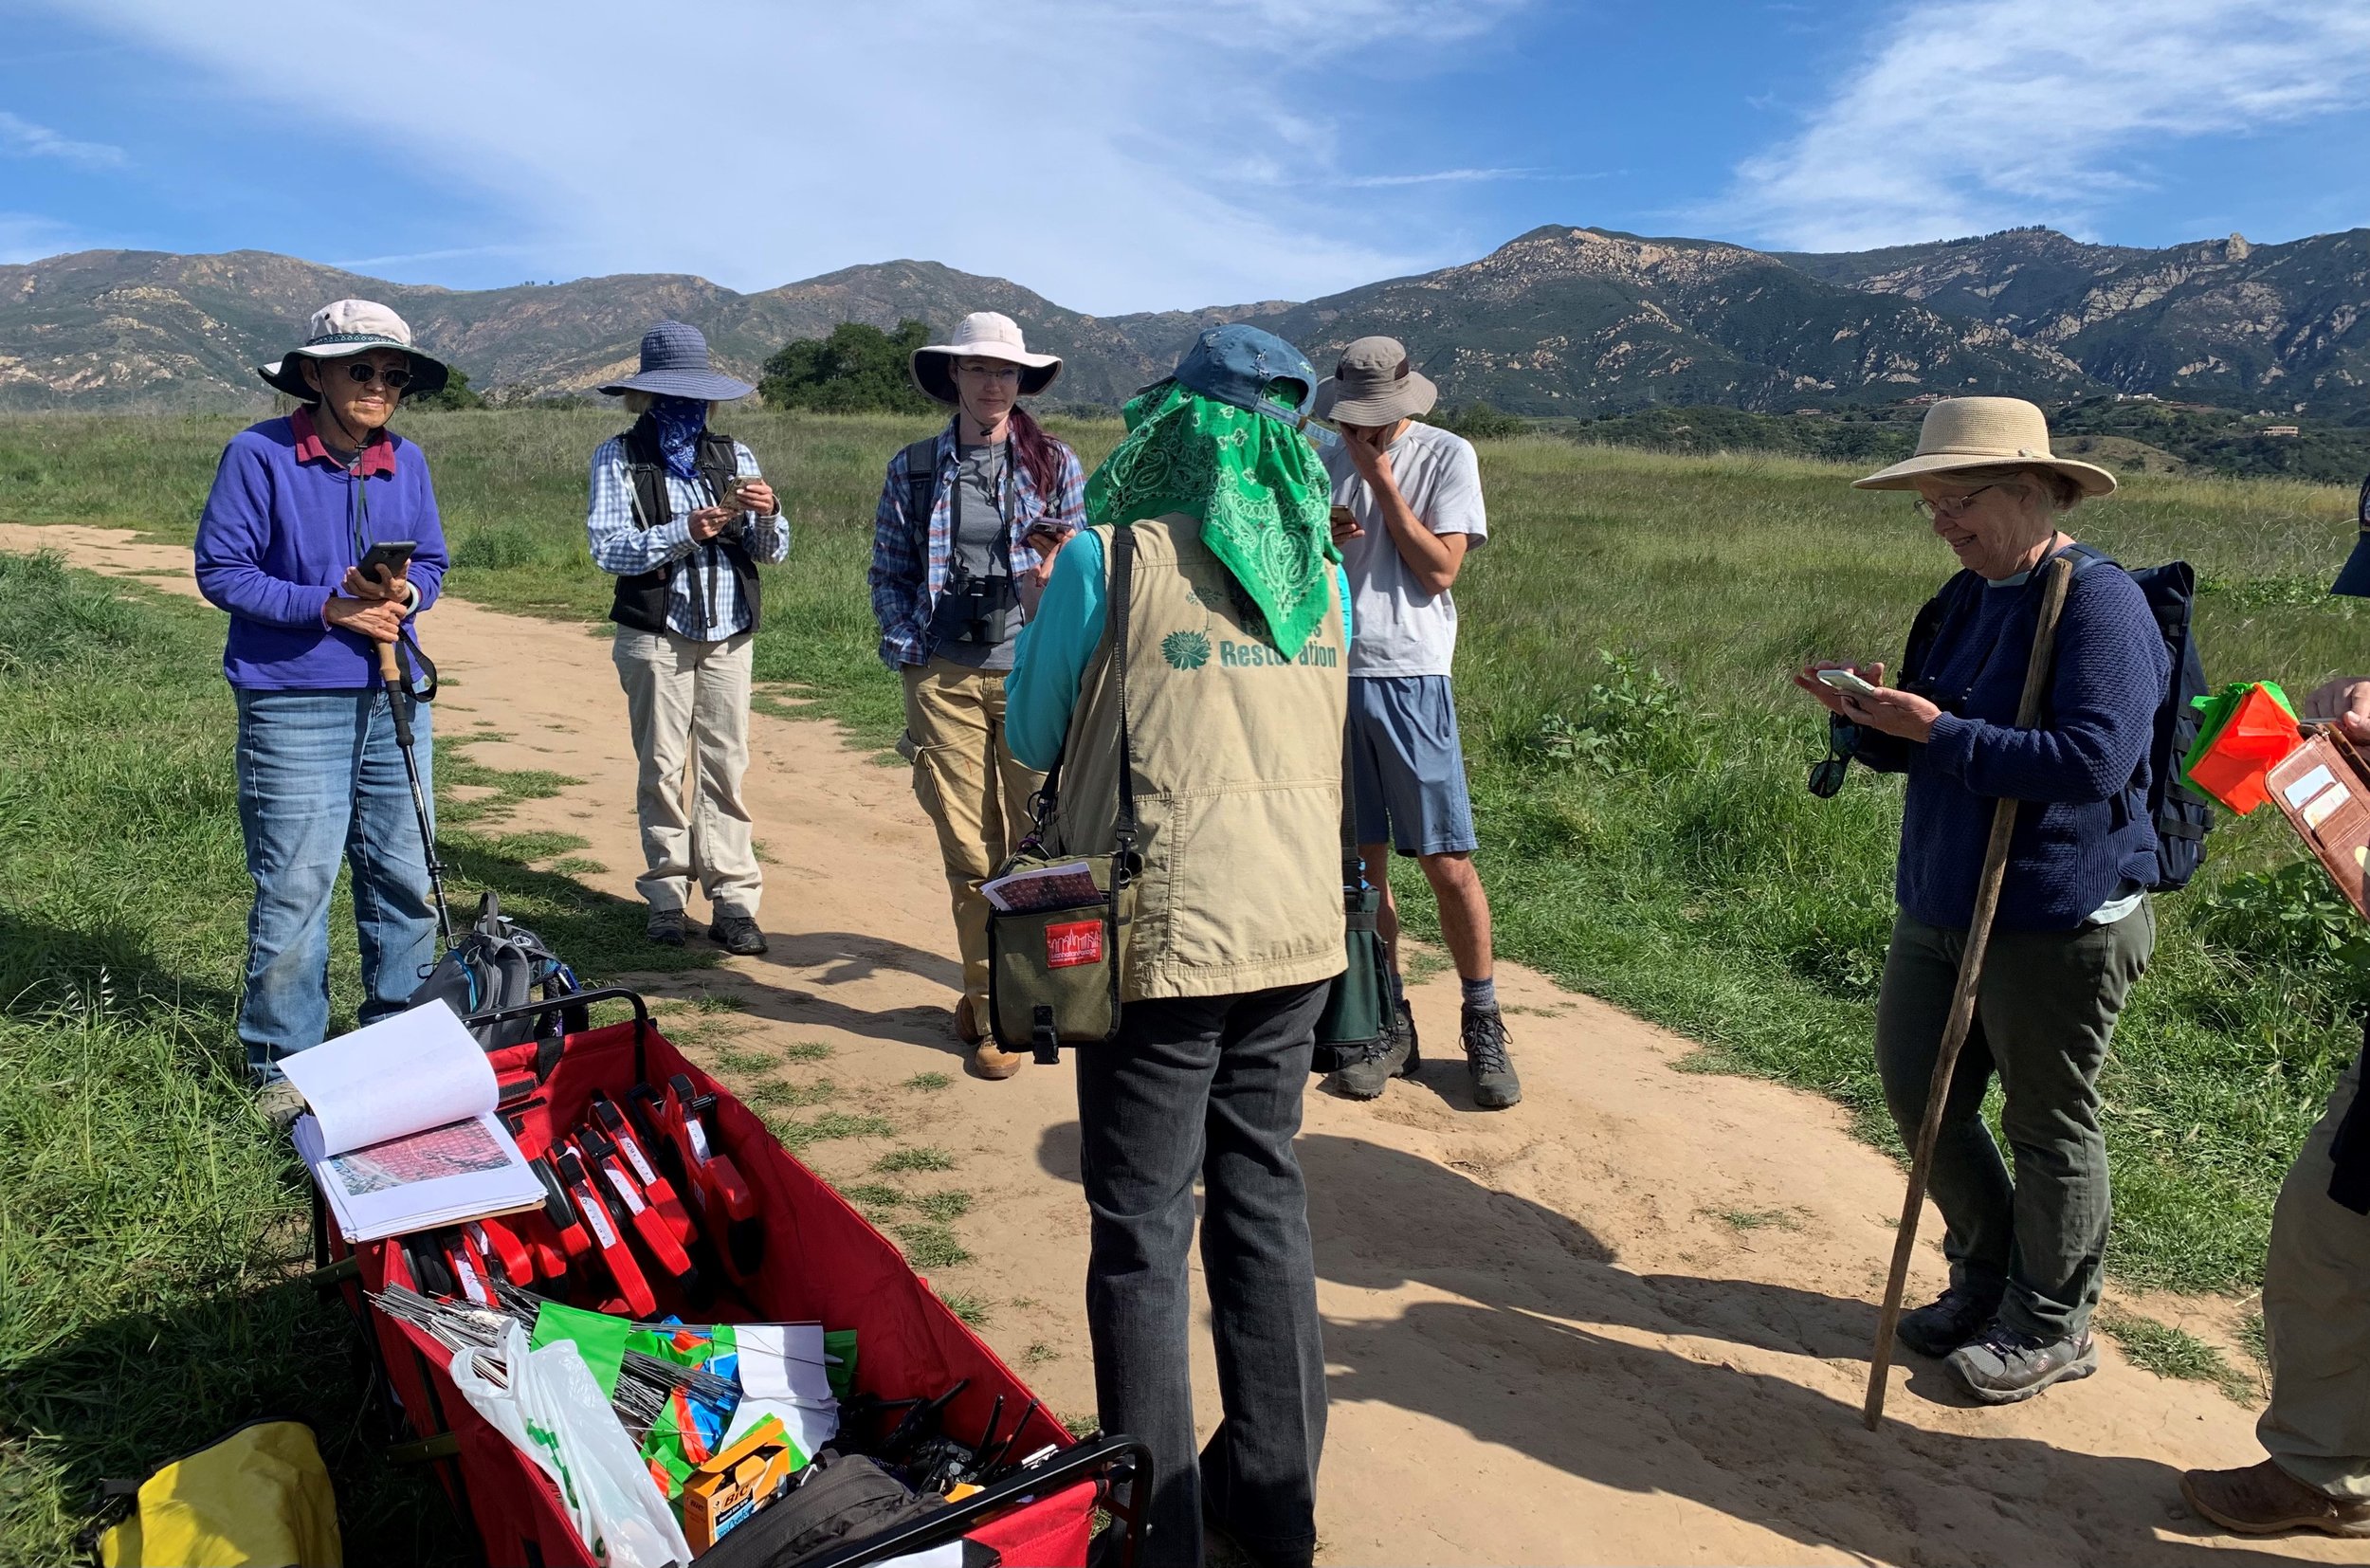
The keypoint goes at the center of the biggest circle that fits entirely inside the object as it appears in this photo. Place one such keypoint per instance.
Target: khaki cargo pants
(688, 704)
(973, 791)
(2316, 1319)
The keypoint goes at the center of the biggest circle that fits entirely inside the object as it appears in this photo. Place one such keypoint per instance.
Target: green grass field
(1637, 758)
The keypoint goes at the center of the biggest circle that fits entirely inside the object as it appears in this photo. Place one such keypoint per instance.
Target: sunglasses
(364, 373)
(1827, 773)
(1949, 506)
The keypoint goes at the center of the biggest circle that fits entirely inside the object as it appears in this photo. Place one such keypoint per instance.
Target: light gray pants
(689, 706)
(2316, 1319)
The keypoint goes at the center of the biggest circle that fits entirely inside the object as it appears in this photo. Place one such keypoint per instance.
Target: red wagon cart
(793, 1251)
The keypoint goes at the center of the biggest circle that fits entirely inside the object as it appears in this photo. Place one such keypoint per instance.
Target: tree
(856, 370)
(1480, 422)
(454, 394)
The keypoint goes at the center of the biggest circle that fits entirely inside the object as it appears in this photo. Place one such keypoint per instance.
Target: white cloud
(1968, 115)
(1095, 150)
(20, 137)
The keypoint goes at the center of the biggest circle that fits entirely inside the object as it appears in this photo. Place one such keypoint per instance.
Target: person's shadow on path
(1684, 1422)
(770, 990)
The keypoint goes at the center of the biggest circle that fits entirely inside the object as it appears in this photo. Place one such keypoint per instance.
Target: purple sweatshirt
(284, 521)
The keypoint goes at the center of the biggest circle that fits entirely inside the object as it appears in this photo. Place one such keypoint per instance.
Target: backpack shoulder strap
(1926, 628)
(921, 481)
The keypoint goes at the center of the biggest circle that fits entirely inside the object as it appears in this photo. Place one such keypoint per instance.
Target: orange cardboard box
(736, 1483)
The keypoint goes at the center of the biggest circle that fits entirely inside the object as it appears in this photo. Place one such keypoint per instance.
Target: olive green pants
(973, 791)
(2044, 1012)
(2316, 1319)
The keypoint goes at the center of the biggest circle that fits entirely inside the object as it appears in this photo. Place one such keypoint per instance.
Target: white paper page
(807, 1427)
(415, 1070)
(376, 1192)
(783, 1361)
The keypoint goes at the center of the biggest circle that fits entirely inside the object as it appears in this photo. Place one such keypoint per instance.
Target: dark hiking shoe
(2005, 1365)
(1483, 1035)
(2264, 1500)
(281, 1103)
(1959, 1318)
(735, 932)
(665, 927)
(1393, 1056)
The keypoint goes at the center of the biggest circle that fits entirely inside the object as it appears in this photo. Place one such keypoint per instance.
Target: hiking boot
(967, 1027)
(1957, 1318)
(281, 1103)
(989, 1060)
(2264, 1500)
(665, 927)
(1393, 1056)
(1483, 1035)
(737, 931)
(2006, 1364)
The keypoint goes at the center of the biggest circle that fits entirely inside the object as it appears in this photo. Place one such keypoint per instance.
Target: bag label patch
(1073, 943)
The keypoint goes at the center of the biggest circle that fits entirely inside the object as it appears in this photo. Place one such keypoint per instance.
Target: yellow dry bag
(259, 1497)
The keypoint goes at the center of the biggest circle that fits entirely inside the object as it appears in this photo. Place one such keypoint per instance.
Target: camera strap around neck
(1121, 588)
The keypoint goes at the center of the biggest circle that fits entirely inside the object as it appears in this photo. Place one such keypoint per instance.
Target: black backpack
(498, 963)
(2181, 815)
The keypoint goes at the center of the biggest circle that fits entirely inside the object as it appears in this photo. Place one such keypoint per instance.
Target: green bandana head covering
(1260, 489)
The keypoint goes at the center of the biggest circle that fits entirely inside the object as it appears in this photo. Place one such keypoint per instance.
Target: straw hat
(982, 335)
(1985, 433)
(342, 329)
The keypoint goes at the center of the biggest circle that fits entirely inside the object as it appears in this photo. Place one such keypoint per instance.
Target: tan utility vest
(1238, 780)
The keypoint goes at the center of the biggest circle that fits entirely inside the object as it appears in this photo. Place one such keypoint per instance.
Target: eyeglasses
(991, 373)
(1949, 506)
(364, 373)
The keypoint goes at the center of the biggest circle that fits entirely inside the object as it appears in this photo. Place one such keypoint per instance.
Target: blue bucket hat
(675, 364)
(1236, 364)
(2354, 581)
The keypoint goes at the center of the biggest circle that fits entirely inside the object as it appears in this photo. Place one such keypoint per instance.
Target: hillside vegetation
(1638, 755)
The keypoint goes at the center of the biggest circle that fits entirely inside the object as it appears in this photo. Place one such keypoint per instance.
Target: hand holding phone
(1847, 681)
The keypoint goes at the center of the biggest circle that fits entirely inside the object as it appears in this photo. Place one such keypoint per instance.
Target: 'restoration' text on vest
(1238, 780)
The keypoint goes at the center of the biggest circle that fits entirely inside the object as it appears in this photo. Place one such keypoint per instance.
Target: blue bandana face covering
(679, 422)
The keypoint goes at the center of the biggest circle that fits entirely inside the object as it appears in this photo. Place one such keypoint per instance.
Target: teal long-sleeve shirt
(1059, 642)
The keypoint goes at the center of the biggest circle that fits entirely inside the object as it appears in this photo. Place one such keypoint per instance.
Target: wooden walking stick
(1962, 998)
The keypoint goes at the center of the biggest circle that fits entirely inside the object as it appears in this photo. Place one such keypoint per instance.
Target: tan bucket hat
(982, 335)
(1372, 384)
(343, 328)
(1985, 433)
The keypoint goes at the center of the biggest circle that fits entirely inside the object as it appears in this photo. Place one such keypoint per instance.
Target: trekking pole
(1961, 1000)
(390, 678)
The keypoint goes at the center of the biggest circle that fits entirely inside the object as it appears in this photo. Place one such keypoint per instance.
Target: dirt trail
(1624, 1323)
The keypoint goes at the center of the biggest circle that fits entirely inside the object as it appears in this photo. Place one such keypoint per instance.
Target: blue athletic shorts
(1407, 767)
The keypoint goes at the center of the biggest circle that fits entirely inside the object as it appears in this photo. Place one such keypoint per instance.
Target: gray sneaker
(1484, 1036)
(279, 1102)
(735, 931)
(665, 927)
(2005, 1365)
(1393, 1056)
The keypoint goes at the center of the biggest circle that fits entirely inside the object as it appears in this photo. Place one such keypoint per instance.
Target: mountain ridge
(1559, 320)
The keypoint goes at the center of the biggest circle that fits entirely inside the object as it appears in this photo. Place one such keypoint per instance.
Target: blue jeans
(319, 777)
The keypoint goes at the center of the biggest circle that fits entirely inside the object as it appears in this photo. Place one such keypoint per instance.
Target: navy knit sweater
(2085, 835)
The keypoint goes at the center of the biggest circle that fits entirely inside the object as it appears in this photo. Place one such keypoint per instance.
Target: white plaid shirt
(702, 601)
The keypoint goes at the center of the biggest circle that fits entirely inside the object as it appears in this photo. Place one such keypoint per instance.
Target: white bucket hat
(342, 329)
(982, 335)
(1985, 433)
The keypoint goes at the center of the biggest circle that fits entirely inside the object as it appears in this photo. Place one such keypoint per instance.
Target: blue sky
(1122, 154)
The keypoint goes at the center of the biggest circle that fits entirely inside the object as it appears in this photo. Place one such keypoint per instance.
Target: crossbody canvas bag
(1055, 975)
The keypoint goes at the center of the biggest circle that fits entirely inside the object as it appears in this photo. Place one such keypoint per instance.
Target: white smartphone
(1844, 679)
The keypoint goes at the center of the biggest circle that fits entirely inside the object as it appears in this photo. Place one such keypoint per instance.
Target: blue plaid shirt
(702, 601)
(911, 560)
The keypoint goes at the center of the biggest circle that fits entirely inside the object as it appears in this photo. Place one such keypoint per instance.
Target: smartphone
(392, 555)
(1844, 679)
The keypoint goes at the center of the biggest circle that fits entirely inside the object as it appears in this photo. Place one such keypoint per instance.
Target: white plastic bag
(554, 1411)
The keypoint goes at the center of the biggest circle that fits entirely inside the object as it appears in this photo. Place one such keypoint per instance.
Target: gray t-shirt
(1402, 630)
(979, 525)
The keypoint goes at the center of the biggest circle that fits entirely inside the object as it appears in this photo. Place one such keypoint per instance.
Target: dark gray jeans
(2043, 1014)
(1207, 1086)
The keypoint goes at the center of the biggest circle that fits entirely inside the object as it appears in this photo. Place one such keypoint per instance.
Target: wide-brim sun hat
(675, 363)
(1985, 433)
(1372, 384)
(982, 335)
(342, 329)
